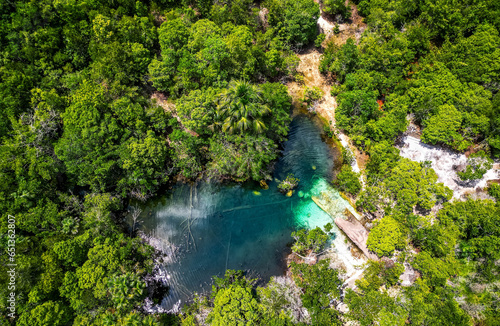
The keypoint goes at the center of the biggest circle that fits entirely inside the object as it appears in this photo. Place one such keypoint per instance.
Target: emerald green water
(218, 227)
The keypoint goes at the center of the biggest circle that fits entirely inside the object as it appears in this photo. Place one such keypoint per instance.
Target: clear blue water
(218, 227)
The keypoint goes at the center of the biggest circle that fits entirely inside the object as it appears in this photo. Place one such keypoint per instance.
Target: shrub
(336, 29)
(348, 181)
(347, 156)
(306, 240)
(312, 94)
(385, 237)
(335, 90)
(319, 284)
(477, 165)
(319, 40)
(337, 7)
(288, 184)
(494, 190)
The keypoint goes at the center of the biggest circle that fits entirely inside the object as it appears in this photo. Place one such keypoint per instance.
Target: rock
(357, 233)
(311, 259)
(409, 276)
(263, 17)
(388, 262)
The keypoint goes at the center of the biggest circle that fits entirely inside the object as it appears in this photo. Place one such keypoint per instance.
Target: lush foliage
(320, 284)
(106, 101)
(337, 7)
(312, 94)
(310, 240)
(477, 165)
(294, 20)
(417, 59)
(385, 237)
(288, 184)
(348, 180)
(84, 129)
(406, 186)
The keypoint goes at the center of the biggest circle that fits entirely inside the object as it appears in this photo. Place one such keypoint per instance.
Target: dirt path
(351, 29)
(168, 106)
(309, 68)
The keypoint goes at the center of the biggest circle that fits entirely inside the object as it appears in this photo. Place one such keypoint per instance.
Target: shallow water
(219, 227)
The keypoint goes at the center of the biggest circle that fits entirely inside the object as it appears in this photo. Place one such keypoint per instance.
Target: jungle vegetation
(104, 101)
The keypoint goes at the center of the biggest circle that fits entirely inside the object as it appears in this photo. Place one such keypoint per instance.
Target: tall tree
(241, 108)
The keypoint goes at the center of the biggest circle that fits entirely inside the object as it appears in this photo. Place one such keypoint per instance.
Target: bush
(385, 237)
(319, 284)
(337, 7)
(335, 90)
(299, 78)
(336, 29)
(477, 165)
(295, 20)
(288, 184)
(347, 156)
(309, 240)
(319, 40)
(328, 131)
(312, 94)
(348, 181)
(494, 190)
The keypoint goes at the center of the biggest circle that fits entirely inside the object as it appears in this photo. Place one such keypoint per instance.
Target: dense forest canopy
(106, 101)
(438, 61)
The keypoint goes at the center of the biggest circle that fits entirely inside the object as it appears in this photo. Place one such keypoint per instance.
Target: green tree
(477, 165)
(348, 181)
(435, 270)
(294, 20)
(412, 183)
(337, 7)
(475, 58)
(437, 307)
(444, 128)
(309, 240)
(477, 222)
(340, 61)
(144, 162)
(355, 108)
(49, 313)
(173, 34)
(126, 290)
(235, 305)
(375, 306)
(241, 157)
(241, 109)
(319, 285)
(386, 237)
(197, 110)
(276, 97)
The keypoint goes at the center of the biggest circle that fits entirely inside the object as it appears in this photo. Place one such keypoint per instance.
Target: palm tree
(241, 108)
